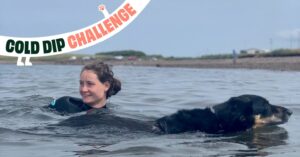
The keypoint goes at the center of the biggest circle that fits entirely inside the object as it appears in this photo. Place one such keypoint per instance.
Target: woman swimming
(97, 84)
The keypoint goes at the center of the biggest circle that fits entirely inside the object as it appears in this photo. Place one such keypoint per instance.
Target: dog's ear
(238, 115)
(239, 100)
(241, 105)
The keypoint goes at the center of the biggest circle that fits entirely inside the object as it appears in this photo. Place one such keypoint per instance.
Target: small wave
(188, 144)
(26, 112)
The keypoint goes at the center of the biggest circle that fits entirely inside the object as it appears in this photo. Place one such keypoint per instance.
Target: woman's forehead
(88, 74)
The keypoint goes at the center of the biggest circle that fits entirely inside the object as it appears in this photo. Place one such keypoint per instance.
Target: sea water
(27, 128)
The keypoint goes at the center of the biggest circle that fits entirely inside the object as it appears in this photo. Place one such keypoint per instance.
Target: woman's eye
(90, 83)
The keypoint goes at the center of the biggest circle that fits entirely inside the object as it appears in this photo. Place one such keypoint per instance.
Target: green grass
(110, 56)
(275, 53)
(61, 57)
(216, 56)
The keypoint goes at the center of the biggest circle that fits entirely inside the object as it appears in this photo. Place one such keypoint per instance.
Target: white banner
(76, 40)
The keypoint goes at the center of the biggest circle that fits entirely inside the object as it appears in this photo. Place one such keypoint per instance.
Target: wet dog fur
(237, 114)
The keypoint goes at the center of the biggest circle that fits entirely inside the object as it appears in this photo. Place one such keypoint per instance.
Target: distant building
(154, 58)
(252, 51)
(72, 58)
(86, 58)
(132, 58)
(118, 57)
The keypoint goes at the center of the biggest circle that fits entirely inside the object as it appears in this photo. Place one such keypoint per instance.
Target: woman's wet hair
(104, 74)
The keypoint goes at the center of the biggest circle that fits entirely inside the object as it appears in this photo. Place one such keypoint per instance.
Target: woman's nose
(83, 88)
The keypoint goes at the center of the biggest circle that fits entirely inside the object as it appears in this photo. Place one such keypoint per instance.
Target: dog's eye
(242, 118)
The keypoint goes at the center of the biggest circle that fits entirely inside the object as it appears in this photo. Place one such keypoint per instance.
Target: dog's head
(254, 109)
(266, 113)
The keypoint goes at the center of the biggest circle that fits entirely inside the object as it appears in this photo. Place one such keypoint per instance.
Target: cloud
(290, 34)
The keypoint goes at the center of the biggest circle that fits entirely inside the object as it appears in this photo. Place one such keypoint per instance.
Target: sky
(180, 28)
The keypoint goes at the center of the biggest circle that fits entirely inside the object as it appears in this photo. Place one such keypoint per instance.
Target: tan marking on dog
(265, 121)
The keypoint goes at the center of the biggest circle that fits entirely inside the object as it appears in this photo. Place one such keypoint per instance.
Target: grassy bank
(243, 54)
(277, 60)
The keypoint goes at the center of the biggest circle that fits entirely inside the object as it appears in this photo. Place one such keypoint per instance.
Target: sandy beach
(271, 63)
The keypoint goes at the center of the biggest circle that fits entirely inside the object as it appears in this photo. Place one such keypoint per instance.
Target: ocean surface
(28, 129)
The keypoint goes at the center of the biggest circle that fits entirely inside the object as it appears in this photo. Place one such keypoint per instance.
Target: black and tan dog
(237, 114)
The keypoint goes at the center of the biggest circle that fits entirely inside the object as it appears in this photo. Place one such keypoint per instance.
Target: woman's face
(92, 91)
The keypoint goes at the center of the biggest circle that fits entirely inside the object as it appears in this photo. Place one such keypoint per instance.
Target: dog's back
(188, 120)
(237, 114)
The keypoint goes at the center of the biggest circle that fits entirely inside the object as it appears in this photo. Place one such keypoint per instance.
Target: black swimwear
(67, 104)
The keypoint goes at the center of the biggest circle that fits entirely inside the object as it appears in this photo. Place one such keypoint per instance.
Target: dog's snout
(289, 112)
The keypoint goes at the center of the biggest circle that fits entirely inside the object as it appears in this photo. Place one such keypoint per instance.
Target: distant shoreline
(270, 63)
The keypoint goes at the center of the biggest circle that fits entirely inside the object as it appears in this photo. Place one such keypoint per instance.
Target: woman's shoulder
(68, 104)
